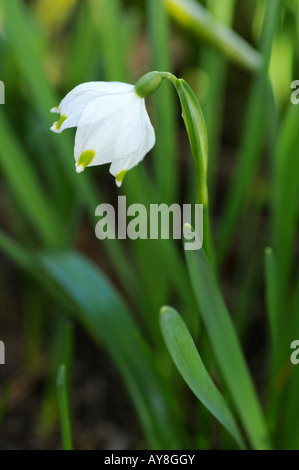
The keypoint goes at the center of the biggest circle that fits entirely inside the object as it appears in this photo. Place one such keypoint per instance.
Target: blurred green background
(93, 305)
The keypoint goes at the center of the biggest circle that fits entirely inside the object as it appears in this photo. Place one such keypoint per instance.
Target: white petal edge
(74, 103)
(118, 167)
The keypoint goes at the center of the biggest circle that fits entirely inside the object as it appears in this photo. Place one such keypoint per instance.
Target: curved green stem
(197, 133)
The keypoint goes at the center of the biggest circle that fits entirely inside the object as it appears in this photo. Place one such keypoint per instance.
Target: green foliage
(185, 356)
(246, 176)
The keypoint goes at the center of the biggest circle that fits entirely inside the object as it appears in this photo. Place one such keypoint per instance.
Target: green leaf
(272, 297)
(110, 22)
(195, 126)
(21, 37)
(197, 133)
(188, 361)
(216, 67)
(22, 180)
(193, 17)
(165, 150)
(253, 136)
(101, 311)
(226, 347)
(64, 408)
(286, 201)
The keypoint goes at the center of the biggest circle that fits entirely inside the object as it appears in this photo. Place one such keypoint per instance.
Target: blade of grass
(107, 15)
(82, 58)
(272, 300)
(64, 408)
(215, 66)
(289, 439)
(103, 314)
(193, 17)
(285, 209)
(61, 352)
(226, 348)
(165, 150)
(285, 201)
(253, 135)
(23, 183)
(287, 385)
(197, 133)
(188, 361)
(75, 282)
(22, 41)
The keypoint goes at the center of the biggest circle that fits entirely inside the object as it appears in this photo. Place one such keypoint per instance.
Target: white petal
(115, 127)
(119, 168)
(74, 103)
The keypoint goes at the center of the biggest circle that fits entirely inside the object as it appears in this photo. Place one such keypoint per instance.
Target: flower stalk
(197, 133)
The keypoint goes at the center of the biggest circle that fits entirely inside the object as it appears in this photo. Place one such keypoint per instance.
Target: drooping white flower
(112, 126)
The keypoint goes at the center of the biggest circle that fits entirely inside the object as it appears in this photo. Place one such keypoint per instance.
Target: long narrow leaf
(100, 309)
(197, 133)
(188, 361)
(226, 347)
(21, 38)
(193, 17)
(22, 180)
(253, 137)
(165, 151)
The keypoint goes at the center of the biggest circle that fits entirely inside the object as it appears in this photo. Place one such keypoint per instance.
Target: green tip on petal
(85, 159)
(120, 177)
(60, 122)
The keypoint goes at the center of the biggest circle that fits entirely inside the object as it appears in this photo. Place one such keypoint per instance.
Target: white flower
(112, 126)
